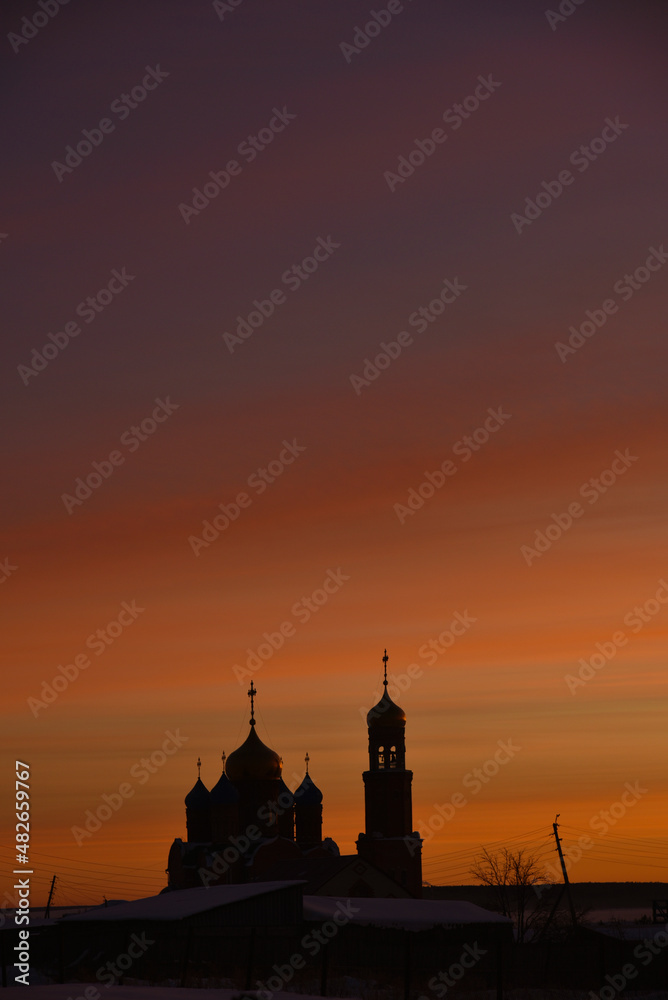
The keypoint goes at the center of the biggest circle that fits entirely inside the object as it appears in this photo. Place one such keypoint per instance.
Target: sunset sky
(362, 155)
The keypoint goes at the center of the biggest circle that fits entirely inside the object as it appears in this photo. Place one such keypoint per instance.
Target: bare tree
(512, 875)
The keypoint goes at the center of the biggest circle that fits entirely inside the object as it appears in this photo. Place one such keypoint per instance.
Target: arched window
(393, 757)
(381, 756)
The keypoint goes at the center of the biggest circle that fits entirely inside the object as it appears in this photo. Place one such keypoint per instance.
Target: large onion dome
(253, 761)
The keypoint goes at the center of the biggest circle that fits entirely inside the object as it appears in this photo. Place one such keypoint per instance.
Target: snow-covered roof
(627, 932)
(181, 903)
(413, 914)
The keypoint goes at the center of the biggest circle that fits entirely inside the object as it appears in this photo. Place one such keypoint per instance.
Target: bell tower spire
(386, 722)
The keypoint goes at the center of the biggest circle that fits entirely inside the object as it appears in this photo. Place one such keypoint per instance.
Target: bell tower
(389, 841)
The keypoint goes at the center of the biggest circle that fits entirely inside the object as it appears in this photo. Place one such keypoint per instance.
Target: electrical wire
(96, 877)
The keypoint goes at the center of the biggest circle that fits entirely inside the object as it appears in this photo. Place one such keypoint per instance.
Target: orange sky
(504, 679)
(335, 508)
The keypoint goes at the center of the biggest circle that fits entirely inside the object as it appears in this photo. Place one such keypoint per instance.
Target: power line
(458, 858)
(636, 843)
(625, 861)
(626, 851)
(527, 838)
(451, 865)
(97, 864)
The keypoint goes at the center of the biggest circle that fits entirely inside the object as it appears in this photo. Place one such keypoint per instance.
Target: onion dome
(385, 714)
(198, 796)
(308, 793)
(253, 760)
(224, 792)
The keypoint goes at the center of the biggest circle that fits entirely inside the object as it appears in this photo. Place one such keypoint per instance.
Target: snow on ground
(72, 991)
(618, 913)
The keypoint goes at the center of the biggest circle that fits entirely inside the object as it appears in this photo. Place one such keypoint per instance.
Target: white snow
(75, 991)
(181, 903)
(414, 914)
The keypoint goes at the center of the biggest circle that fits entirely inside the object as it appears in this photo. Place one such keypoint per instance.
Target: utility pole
(567, 884)
(48, 902)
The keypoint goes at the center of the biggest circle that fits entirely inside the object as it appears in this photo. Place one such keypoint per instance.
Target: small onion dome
(385, 714)
(198, 796)
(308, 793)
(253, 760)
(224, 792)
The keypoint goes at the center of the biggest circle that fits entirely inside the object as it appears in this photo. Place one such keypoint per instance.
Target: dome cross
(252, 691)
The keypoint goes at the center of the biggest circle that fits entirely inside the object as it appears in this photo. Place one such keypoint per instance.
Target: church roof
(198, 796)
(308, 793)
(224, 792)
(315, 872)
(322, 873)
(385, 714)
(253, 760)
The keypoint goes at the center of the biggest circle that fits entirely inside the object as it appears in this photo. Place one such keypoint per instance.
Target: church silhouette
(250, 827)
